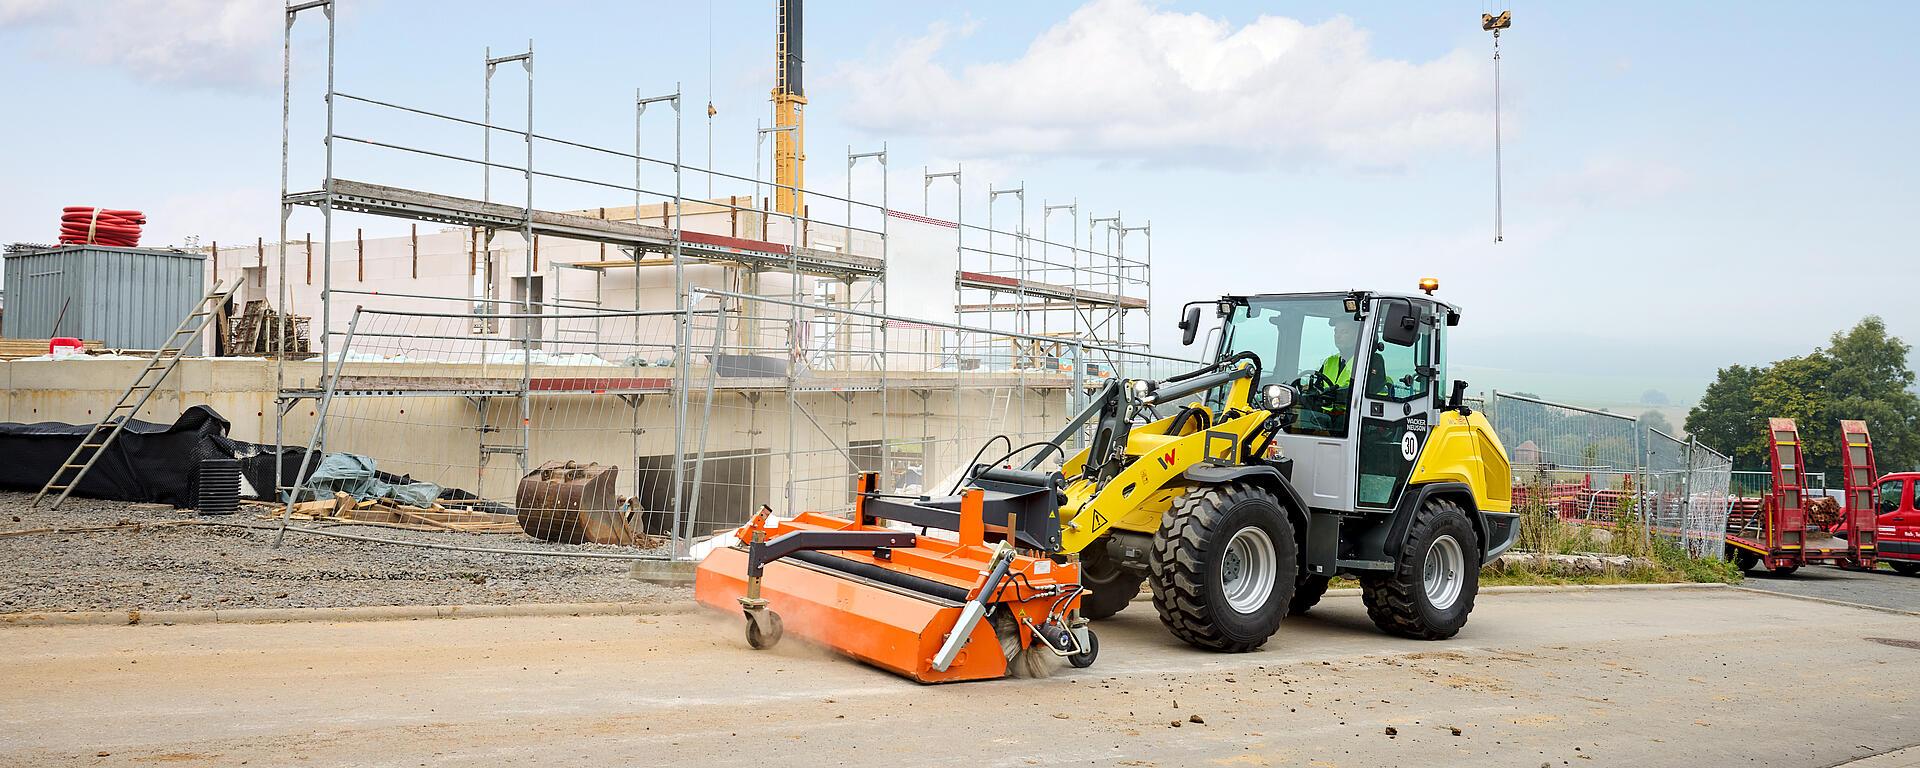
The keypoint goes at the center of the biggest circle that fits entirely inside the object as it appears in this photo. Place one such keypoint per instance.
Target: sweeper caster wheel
(763, 629)
(1084, 660)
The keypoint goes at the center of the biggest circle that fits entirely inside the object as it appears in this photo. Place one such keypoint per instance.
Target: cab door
(1898, 524)
(1395, 403)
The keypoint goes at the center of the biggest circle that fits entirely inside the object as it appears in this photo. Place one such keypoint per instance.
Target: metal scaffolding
(1061, 301)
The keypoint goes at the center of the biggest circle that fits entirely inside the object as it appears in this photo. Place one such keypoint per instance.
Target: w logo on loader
(1166, 462)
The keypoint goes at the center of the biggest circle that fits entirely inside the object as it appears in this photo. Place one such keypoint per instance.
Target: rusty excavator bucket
(994, 601)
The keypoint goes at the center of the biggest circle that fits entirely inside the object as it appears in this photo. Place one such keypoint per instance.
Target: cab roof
(1420, 297)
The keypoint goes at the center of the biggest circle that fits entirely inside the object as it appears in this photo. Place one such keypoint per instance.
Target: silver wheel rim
(1248, 569)
(1442, 572)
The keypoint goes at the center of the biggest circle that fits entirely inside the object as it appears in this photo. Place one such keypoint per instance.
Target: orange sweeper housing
(930, 609)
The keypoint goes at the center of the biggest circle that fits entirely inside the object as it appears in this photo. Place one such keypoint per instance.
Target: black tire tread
(1391, 597)
(1178, 576)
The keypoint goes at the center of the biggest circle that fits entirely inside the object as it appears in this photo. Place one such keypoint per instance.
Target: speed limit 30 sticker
(1409, 446)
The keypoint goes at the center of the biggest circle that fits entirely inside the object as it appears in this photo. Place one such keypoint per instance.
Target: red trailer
(1776, 532)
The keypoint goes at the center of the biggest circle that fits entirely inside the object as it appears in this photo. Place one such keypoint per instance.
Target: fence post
(683, 370)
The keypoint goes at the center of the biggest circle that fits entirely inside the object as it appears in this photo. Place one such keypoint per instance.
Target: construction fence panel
(1709, 500)
(789, 402)
(1577, 463)
(1664, 488)
(549, 431)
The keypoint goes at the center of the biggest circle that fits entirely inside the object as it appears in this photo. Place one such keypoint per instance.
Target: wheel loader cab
(1367, 386)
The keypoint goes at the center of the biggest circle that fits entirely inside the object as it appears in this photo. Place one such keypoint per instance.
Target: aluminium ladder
(95, 443)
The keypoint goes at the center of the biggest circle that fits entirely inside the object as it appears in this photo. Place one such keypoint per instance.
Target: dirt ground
(1633, 678)
(226, 566)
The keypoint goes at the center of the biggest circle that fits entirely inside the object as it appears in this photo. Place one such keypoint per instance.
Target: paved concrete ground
(1882, 588)
(1639, 678)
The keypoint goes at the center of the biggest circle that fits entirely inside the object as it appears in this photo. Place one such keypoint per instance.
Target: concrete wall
(439, 438)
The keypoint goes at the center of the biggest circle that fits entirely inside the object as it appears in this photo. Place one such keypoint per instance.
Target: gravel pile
(209, 566)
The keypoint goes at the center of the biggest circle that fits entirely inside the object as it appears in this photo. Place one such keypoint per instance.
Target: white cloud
(217, 43)
(1121, 79)
(1615, 180)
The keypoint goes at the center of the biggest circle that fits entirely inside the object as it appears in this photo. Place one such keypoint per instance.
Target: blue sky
(1687, 186)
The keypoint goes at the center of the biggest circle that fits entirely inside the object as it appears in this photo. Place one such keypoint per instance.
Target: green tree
(1862, 374)
(1796, 388)
(1726, 420)
(1871, 381)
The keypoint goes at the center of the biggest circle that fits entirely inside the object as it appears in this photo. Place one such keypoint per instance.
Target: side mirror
(1279, 397)
(1190, 325)
(1400, 326)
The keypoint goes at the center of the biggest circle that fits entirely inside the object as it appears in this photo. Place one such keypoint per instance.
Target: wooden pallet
(14, 349)
(383, 512)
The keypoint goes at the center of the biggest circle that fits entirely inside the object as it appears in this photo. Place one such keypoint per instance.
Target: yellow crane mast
(789, 145)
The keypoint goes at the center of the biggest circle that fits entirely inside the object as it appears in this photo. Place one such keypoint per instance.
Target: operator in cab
(1327, 391)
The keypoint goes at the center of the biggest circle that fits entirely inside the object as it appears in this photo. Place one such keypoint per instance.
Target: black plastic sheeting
(158, 463)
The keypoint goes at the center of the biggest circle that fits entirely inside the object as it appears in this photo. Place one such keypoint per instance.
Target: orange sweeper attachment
(981, 605)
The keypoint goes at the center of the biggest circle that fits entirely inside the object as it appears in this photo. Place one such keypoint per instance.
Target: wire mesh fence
(615, 432)
(1753, 484)
(797, 399)
(1599, 468)
(557, 433)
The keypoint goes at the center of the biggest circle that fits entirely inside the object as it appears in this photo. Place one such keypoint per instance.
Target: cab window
(1397, 372)
(1889, 495)
(1307, 342)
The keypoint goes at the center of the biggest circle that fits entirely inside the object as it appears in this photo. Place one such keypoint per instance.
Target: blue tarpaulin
(354, 475)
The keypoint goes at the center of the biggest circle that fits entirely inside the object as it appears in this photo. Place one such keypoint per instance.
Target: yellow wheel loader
(1320, 441)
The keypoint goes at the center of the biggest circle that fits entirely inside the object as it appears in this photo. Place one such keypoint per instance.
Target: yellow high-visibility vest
(1337, 371)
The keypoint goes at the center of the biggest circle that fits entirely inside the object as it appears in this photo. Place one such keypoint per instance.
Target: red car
(1899, 521)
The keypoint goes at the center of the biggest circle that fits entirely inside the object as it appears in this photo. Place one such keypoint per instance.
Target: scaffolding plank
(362, 197)
(1053, 291)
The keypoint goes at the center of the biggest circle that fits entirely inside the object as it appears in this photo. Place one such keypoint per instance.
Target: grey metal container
(128, 298)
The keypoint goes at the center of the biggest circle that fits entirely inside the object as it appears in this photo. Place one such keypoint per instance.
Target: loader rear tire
(1223, 566)
(1307, 591)
(1110, 587)
(1430, 591)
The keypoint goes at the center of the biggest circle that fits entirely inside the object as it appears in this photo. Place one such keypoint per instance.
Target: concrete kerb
(345, 613)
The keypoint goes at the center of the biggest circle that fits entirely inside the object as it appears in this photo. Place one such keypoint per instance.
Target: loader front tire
(1223, 567)
(1430, 590)
(1109, 587)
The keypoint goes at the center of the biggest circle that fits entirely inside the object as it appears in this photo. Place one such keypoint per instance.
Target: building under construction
(752, 345)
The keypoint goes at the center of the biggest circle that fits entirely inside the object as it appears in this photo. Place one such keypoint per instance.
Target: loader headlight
(1278, 396)
(1142, 390)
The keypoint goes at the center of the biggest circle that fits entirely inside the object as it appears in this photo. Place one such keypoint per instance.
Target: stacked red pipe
(80, 225)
